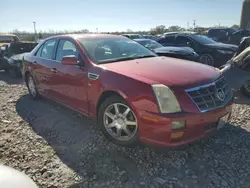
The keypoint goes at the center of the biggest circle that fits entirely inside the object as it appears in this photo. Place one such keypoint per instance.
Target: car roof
(7, 34)
(138, 40)
(77, 36)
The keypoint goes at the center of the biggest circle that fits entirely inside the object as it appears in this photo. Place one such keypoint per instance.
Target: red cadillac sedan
(134, 94)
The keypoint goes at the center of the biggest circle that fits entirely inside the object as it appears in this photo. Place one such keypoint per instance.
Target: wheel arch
(106, 94)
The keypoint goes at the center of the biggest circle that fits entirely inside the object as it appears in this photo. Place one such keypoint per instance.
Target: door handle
(53, 70)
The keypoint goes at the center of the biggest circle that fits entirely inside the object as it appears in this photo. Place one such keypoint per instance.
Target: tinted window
(167, 40)
(182, 40)
(66, 48)
(149, 44)
(202, 39)
(105, 50)
(48, 48)
(7, 38)
(38, 53)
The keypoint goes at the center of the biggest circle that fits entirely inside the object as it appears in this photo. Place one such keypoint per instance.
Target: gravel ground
(57, 147)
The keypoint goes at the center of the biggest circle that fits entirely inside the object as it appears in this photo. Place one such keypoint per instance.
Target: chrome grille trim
(204, 97)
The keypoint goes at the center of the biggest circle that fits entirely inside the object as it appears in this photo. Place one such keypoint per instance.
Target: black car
(169, 51)
(220, 34)
(211, 52)
(12, 55)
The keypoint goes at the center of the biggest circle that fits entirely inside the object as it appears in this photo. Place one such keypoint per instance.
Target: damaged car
(237, 70)
(12, 56)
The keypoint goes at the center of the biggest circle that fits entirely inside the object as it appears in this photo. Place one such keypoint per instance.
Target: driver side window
(66, 48)
(183, 41)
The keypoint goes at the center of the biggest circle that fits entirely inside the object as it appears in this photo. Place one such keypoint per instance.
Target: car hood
(174, 50)
(165, 70)
(222, 46)
(19, 56)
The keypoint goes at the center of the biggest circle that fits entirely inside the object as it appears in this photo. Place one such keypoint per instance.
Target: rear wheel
(118, 122)
(207, 59)
(30, 82)
(246, 88)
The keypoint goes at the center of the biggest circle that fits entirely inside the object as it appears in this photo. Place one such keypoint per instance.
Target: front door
(71, 82)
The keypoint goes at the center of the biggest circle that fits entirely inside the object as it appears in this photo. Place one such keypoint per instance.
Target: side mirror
(69, 60)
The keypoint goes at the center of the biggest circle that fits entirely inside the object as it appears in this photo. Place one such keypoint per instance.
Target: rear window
(18, 48)
(7, 39)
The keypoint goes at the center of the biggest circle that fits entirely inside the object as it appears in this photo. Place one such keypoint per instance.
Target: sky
(115, 15)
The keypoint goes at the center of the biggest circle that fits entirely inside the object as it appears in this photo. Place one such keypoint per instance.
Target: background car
(133, 36)
(5, 39)
(12, 56)
(237, 36)
(211, 52)
(169, 51)
(134, 94)
(220, 34)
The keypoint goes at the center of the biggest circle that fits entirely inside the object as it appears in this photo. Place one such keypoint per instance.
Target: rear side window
(66, 48)
(47, 49)
(182, 40)
(167, 39)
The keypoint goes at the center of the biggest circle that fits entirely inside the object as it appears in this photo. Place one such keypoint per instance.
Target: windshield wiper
(117, 60)
(144, 56)
(127, 58)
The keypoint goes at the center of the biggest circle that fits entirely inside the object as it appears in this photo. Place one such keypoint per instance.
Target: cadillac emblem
(219, 93)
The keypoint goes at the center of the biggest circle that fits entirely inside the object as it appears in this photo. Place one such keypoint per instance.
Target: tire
(245, 89)
(112, 123)
(33, 92)
(206, 59)
(13, 73)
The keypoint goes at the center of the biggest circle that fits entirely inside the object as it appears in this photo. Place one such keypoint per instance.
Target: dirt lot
(57, 147)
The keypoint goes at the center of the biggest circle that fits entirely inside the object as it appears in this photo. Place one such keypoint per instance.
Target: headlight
(166, 99)
(225, 52)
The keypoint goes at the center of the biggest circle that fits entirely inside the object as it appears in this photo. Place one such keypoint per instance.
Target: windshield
(150, 44)
(108, 49)
(135, 36)
(203, 39)
(18, 48)
(7, 39)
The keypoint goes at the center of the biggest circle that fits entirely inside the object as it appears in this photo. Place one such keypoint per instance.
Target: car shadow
(79, 144)
(240, 98)
(6, 78)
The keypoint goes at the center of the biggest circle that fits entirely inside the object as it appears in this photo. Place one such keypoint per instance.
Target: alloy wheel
(120, 122)
(32, 86)
(207, 59)
(247, 86)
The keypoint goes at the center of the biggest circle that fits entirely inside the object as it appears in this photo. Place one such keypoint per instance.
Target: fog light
(175, 125)
(176, 135)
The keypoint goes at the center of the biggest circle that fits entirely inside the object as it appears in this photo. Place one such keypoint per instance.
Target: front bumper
(221, 59)
(155, 129)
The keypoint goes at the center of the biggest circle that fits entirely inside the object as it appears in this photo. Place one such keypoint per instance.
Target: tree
(175, 28)
(235, 26)
(40, 35)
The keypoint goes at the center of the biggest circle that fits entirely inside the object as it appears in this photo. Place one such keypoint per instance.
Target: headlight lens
(225, 52)
(166, 99)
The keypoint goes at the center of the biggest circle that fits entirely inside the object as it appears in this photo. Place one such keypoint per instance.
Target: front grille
(211, 96)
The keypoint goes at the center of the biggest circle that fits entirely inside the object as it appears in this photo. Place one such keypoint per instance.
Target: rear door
(167, 41)
(71, 82)
(41, 66)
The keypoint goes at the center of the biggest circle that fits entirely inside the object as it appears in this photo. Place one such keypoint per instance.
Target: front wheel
(246, 88)
(118, 122)
(207, 59)
(33, 92)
